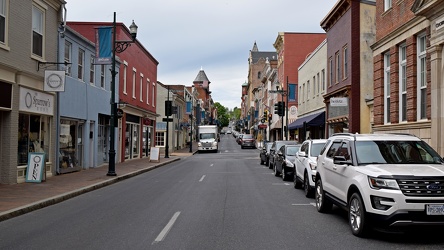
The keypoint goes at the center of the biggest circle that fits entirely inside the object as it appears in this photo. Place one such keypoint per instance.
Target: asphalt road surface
(223, 200)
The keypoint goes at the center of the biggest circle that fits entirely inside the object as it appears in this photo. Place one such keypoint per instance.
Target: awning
(312, 120)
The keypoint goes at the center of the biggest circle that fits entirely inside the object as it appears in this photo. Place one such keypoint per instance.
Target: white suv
(388, 181)
(305, 165)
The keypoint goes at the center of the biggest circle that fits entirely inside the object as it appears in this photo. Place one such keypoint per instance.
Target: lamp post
(118, 46)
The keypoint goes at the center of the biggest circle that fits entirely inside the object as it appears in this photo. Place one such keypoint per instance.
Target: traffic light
(168, 108)
(276, 108)
(281, 108)
(266, 115)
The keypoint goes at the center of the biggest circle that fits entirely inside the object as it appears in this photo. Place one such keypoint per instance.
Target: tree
(222, 114)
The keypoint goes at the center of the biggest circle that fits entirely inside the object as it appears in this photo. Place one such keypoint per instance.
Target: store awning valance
(313, 120)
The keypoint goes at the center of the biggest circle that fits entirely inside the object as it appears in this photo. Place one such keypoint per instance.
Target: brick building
(402, 91)
(350, 27)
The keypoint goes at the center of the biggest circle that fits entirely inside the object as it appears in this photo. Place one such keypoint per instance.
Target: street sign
(167, 119)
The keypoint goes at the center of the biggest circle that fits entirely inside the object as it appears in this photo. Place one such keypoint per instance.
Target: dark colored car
(248, 141)
(275, 147)
(284, 165)
(265, 153)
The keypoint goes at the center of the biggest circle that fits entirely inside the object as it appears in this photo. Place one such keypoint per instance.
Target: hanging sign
(54, 81)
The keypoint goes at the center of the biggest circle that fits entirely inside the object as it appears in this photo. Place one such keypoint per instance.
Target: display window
(71, 145)
(33, 136)
(132, 141)
(146, 146)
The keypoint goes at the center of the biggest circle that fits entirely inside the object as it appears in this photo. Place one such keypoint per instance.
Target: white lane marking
(211, 165)
(201, 179)
(303, 204)
(167, 228)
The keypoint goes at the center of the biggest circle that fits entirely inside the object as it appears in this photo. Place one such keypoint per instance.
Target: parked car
(389, 181)
(273, 151)
(248, 141)
(305, 165)
(284, 165)
(265, 153)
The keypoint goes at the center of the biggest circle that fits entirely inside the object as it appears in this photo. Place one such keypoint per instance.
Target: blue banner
(292, 92)
(188, 111)
(103, 45)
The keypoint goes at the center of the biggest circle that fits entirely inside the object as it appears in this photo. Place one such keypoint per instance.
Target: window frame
(141, 88)
(67, 60)
(387, 5)
(81, 64)
(330, 75)
(102, 76)
(421, 77)
(345, 62)
(402, 82)
(134, 83)
(5, 16)
(125, 68)
(34, 31)
(387, 88)
(92, 70)
(338, 67)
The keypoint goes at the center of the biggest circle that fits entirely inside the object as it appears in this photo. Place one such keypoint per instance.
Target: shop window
(33, 136)
(70, 143)
(160, 139)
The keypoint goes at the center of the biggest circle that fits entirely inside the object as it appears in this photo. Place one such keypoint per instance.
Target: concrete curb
(63, 197)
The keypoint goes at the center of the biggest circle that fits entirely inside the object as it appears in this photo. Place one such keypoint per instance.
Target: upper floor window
(68, 47)
(330, 75)
(259, 75)
(308, 89)
(319, 84)
(37, 31)
(338, 68)
(91, 70)
(403, 82)
(345, 63)
(387, 110)
(134, 83)
(81, 62)
(422, 77)
(323, 80)
(387, 4)
(125, 67)
(3, 21)
(141, 88)
(153, 94)
(102, 76)
(147, 90)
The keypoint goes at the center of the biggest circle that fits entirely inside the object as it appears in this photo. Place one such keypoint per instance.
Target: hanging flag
(292, 92)
(188, 111)
(103, 45)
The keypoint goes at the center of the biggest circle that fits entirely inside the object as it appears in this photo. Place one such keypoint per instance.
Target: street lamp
(118, 46)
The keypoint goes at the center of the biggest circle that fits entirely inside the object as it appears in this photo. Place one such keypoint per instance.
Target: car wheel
(276, 172)
(262, 163)
(307, 189)
(356, 215)
(296, 183)
(283, 174)
(270, 166)
(323, 205)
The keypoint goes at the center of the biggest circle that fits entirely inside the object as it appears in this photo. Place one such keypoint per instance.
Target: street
(223, 200)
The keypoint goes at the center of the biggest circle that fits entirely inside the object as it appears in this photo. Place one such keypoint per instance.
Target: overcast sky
(215, 35)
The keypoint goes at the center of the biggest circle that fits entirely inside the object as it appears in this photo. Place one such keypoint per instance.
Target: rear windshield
(247, 137)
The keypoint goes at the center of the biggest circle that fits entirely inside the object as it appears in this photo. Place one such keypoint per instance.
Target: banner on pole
(103, 45)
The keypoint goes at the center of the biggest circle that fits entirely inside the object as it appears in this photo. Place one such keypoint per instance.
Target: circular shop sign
(54, 81)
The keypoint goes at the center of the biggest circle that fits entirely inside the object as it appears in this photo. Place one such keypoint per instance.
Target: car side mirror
(340, 160)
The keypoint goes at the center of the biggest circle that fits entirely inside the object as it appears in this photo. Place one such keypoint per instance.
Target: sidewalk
(23, 198)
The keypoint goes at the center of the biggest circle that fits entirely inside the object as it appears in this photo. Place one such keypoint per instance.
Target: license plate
(435, 209)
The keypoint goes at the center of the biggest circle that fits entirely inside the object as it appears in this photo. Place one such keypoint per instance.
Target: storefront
(132, 137)
(148, 133)
(36, 110)
(70, 145)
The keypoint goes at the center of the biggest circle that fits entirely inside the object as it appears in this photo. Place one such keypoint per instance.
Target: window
(422, 78)
(141, 88)
(102, 76)
(80, 64)
(91, 70)
(319, 84)
(308, 89)
(259, 75)
(134, 83)
(68, 57)
(160, 139)
(323, 80)
(330, 76)
(147, 90)
(33, 136)
(153, 94)
(387, 4)
(37, 31)
(3, 21)
(338, 68)
(403, 82)
(303, 92)
(300, 95)
(387, 88)
(345, 61)
(314, 86)
(125, 67)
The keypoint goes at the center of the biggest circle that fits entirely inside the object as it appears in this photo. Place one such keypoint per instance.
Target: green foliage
(222, 114)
